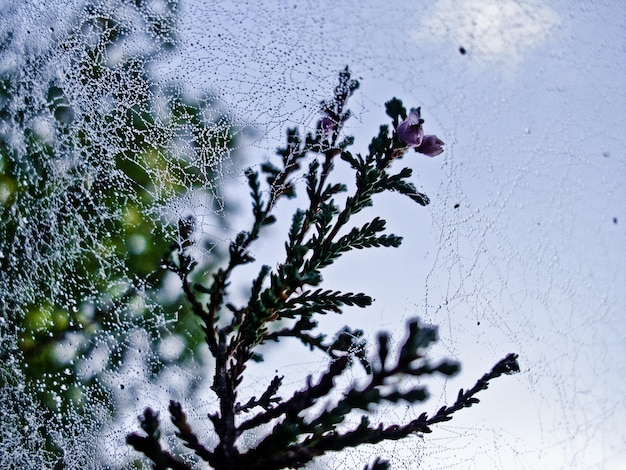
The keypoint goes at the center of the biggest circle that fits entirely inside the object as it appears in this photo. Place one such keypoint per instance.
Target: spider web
(521, 249)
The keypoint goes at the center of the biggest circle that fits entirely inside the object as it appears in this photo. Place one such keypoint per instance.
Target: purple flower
(410, 130)
(411, 134)
(326, 126)
(431, 146)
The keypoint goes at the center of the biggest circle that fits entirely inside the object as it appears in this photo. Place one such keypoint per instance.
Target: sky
(528, 97)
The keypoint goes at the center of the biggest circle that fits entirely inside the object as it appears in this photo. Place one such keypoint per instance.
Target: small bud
(186, 228)
(325, 127)
(431, 146)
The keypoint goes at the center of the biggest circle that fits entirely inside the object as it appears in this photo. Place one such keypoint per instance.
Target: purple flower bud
(326, 126)
(411, 134)
(410, 130)
(431, 146)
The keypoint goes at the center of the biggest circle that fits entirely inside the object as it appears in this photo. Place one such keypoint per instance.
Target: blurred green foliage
(86, 161)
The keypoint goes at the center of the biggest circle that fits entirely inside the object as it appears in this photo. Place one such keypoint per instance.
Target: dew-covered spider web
(121, 118)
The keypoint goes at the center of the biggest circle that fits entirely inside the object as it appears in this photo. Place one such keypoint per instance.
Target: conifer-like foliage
(286, 301)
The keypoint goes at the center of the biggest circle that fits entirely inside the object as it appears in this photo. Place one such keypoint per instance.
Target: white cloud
(492, 31)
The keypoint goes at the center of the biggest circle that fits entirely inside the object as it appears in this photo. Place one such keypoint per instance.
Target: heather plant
(287, 300)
